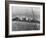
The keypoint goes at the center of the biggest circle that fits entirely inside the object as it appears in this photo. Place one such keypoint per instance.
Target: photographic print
(25, 18)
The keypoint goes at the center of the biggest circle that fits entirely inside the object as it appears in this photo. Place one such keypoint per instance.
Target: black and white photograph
(25, 18)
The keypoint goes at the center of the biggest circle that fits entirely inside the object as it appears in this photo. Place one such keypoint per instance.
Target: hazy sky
(25, 11)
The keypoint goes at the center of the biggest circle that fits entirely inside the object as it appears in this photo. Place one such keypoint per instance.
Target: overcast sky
(25, 11)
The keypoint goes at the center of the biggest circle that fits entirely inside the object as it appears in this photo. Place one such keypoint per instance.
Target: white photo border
(25, 32)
